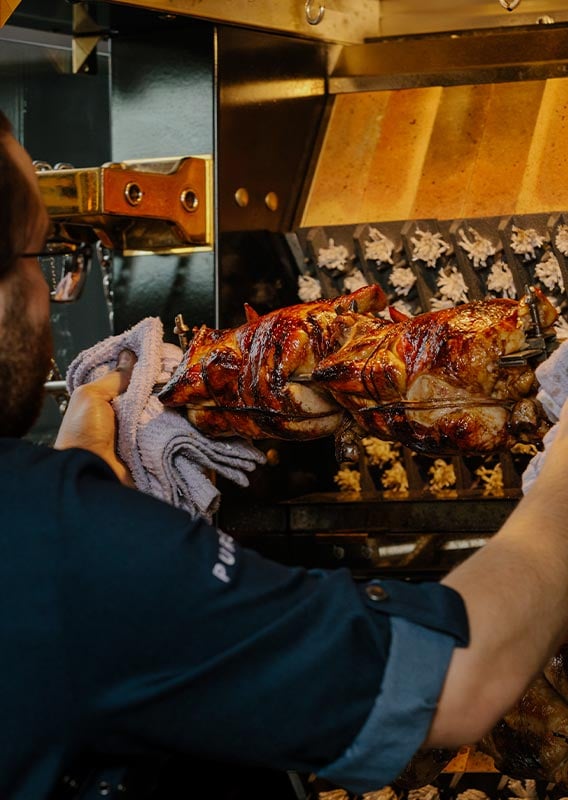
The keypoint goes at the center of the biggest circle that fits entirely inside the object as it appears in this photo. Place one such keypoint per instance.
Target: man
(118, 638)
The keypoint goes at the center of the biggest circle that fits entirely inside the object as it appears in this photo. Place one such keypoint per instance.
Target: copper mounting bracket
(152, 206)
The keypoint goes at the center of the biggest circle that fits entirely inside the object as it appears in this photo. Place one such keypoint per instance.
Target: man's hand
(89, 421)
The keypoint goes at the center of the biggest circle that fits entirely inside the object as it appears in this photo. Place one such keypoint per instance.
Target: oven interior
(398, 120)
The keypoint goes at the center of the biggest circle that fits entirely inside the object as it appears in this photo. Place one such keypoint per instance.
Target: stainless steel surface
(465, 57)
(350, 21)
(340, 20)
(411, 17)
(55, 387)
(271, 103)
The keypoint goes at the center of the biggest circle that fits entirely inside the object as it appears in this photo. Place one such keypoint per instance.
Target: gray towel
(552, 376)
(167, 456)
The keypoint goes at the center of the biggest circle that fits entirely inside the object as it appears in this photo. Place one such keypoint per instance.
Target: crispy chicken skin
(531, 741)
(244, 381)
(434, 382)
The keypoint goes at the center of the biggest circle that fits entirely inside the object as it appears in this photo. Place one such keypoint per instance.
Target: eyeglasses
(65, 266)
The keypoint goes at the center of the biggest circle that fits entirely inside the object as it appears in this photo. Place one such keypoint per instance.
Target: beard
(25, 360)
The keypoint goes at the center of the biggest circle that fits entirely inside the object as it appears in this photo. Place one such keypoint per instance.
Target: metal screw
(133, 194)
(271, 201)
(189, 200)
(272, 457)
(242, 197)
(376, 593)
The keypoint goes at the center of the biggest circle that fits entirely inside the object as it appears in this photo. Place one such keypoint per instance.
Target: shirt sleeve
(402, 712)
(176, 639)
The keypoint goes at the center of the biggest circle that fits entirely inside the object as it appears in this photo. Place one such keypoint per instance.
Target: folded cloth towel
(167, 456)
(552, 376)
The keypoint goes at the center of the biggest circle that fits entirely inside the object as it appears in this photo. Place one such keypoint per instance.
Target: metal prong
(56, 387)
(539, 345)
(533, 308)
(520, 358)
(182, 332)
(58, 390)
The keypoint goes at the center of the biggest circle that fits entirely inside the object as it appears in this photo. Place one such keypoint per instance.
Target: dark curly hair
(17, 203)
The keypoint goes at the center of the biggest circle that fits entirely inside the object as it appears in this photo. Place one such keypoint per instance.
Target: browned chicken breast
(255, 380)
(531, 741)
(435, 383)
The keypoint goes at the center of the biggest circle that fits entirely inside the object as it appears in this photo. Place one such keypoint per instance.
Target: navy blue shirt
(128, 628)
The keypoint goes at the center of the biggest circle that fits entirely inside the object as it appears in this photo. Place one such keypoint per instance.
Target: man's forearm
(516, 593)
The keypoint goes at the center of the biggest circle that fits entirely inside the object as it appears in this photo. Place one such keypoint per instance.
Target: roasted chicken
(437, 383)
(531, 741)
(256, 380)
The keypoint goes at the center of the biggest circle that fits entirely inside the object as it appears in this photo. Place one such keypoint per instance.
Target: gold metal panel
(451, 157)
(443, 152)
(403, 17)
(352, 21)
(71, 193)
(343, 21)
(86, 36)
(344, 163)
(486, 56)
(401, 149)
(159, 206)
(7, 8)
(372, 157)
(544, 180)
(505, 132)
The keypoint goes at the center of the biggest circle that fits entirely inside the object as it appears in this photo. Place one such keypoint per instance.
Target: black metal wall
(162, 104)
(59, 117)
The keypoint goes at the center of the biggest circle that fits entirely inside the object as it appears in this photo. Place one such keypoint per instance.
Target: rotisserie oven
(354, 216)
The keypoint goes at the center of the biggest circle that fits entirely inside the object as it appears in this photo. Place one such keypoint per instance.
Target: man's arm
(516, 594)
(89, 421)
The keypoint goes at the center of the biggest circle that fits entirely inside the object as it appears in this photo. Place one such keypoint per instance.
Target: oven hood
(492, 55)
(382, 44)
(351, 21)
(356, 21)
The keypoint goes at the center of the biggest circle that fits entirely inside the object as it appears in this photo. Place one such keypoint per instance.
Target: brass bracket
(152, 206)
(86, 36)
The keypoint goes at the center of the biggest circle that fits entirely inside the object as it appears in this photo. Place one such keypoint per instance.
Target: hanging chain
(105, 260)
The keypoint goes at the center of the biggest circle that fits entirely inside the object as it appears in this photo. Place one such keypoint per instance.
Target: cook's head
(23, 217)
(25, 332)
